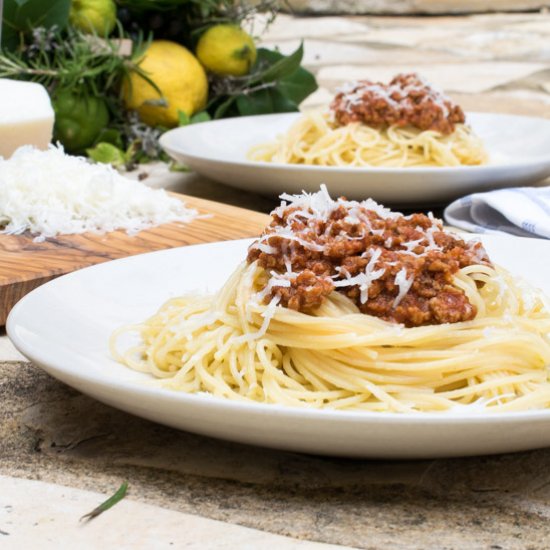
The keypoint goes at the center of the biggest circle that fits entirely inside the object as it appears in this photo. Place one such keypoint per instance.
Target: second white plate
(64, 326)
(519, 148)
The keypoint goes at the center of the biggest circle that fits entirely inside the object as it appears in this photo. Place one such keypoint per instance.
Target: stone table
(400, 7)
(61, 453)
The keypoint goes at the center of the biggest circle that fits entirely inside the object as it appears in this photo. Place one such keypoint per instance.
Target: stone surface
(410, 6)
(32, 511)
(466, 78)
(7, 349)
(51, 433)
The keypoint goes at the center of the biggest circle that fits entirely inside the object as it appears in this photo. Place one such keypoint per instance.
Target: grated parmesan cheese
(404, 285)
(354, 93)
(276, 279)
(286, 233)
(49, 193)
(364, 279)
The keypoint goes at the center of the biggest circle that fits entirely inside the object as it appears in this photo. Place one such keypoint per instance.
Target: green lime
(93, 16)
(78, 120)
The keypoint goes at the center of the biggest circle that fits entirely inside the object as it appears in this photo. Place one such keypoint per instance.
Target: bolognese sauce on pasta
(347, 305)
(401, 124)
(398, 268)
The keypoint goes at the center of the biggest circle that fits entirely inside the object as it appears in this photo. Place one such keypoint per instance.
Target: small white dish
(519, 149)
(64, 327)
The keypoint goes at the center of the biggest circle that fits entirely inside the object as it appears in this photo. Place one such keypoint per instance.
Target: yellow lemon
(178, 75)
(226, 50)
(91, 16)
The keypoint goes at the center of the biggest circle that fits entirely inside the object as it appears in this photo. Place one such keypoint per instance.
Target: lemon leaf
(203, 116)
(258, 103)
(282, 103)
(265, 101)
(21, 16)
(297, 86)
(279, 67)
(183, 118)
(224, 107)
(293, 81)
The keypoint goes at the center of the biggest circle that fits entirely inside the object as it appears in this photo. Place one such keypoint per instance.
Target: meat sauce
(406, 101)
(397, 268)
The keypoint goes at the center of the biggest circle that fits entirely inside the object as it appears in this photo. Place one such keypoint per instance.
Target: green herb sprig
(109, 503)
(72, 59)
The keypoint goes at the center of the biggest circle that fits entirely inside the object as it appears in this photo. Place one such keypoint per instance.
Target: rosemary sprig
(72, 59)
(109, 503)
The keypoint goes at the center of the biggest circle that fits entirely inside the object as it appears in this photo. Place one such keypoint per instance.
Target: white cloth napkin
(523, 211)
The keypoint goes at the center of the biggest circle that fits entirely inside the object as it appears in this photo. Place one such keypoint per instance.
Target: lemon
(93, 16)
(226, 50)
(178, 75)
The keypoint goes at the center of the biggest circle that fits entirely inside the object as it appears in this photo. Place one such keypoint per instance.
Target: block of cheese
(26, 116)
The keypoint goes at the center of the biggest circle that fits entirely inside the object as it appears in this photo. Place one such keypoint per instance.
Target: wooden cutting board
(25, 264)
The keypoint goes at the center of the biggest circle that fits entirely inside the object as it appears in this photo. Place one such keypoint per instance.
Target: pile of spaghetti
(347, 305)
(402, 124)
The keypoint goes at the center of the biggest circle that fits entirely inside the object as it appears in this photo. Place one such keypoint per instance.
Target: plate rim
(167, 137)
(13, 325)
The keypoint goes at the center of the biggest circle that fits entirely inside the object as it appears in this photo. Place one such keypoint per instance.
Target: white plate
(64, 326)
(519, 148)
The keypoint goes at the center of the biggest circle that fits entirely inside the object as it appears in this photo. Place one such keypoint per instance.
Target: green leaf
(279, 65)
(109, 503)
(203, 116)
(281, 102)
(298, 85)
(174, 166)
(110, 135)
(258, 103)
(183, 118)
(21, 16)
(293, 82)
(224, 107)
(107, 153)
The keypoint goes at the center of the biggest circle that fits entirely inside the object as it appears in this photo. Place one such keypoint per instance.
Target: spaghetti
(251, 342)
(406, 123)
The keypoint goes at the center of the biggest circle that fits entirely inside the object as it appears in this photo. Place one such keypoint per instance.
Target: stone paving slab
(7, 349)
(467, 78)
(410, 6)
(35, 514)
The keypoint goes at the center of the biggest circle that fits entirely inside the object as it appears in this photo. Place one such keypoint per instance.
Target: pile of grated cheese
(49, 193)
